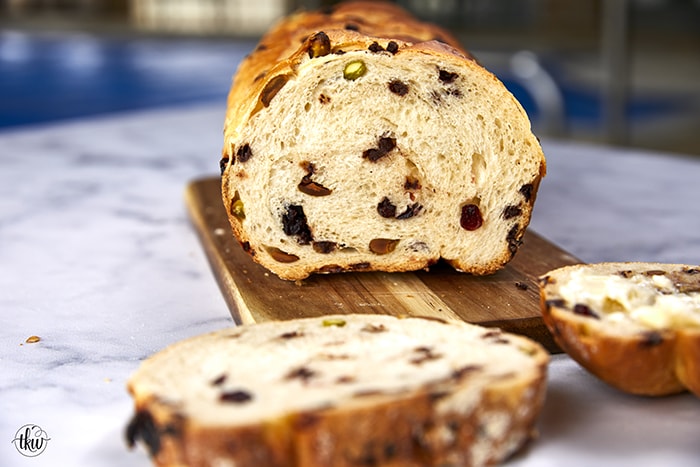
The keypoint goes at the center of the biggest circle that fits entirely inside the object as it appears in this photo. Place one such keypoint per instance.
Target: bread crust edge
(379, 430)
(657, 362)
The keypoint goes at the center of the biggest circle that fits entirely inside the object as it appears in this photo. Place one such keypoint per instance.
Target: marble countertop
(98, 259)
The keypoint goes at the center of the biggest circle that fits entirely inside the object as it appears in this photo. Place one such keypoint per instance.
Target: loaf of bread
(361, 139)
(634, 325)
(341, 390)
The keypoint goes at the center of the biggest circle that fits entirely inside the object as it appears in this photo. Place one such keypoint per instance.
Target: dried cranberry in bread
(341, 390)
(634, 325)
(363, 139)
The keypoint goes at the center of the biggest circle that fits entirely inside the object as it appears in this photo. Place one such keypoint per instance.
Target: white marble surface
(97, 257)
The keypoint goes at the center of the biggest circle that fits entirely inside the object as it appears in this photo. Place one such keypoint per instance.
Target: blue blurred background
(619, 72)
(51, 76)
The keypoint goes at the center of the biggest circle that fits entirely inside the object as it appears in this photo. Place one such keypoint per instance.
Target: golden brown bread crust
(279, 48)
(384, 431)
(276, 50)
(650, 362)
(638, 365)
(688, 361)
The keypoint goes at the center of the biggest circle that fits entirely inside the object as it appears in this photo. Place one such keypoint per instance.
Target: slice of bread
(362, 139)
(634, 325)
(340, 390)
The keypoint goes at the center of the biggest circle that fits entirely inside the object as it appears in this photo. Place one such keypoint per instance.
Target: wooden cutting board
(508, 299)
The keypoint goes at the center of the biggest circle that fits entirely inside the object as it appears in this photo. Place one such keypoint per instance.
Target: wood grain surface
(508, 299)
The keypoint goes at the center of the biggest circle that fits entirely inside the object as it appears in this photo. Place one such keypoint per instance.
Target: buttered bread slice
(342, 390)
(360, 139)
(634, 325)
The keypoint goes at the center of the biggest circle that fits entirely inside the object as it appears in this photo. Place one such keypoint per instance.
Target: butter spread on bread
(635, 325)
(649, 298)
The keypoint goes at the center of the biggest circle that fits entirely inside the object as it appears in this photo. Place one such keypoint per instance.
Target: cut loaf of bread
(340, 390)
(634, 325)
(361, 139)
